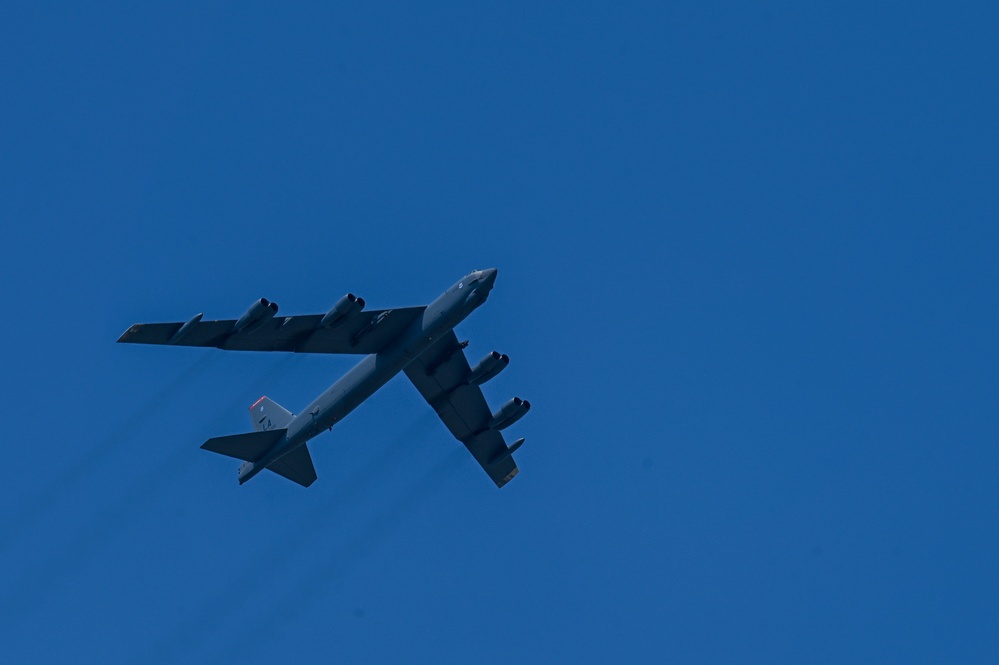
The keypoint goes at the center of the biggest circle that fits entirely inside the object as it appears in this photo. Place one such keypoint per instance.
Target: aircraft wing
(439, 374)
(367, 332)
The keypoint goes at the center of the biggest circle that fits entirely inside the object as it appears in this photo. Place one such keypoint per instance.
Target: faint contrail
(30, 588)
(33, 586)
(204, 621)
(99, 452)
(347, 552)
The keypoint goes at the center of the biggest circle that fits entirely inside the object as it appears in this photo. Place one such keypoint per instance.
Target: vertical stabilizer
(267, 414)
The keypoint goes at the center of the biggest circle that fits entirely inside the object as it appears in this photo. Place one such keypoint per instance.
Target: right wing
(439, 374)
(366, 332)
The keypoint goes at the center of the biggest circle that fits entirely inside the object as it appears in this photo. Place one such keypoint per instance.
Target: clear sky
(747, 278)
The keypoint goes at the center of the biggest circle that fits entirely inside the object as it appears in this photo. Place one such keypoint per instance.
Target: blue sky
(747, 278)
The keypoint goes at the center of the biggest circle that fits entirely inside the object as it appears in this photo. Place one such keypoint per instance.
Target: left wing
(441, 374)
(367, 332)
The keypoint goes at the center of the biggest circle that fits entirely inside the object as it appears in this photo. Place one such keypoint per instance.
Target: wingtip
(508, 477)
(128, 333)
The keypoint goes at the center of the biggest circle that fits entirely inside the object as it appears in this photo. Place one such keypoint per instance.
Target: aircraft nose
(489, 276)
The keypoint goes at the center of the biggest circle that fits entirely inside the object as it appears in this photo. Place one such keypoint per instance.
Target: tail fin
(267, 414)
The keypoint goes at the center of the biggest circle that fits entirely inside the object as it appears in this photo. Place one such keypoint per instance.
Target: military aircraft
(419, 341)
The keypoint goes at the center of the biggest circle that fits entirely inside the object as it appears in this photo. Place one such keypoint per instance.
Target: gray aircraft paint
(421, 341)
(377, 369)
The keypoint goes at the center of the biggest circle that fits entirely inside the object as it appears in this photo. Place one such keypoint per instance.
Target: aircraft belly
(351, 390)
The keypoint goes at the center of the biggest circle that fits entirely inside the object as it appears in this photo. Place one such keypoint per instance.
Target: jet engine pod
(510, 413)
(487, 368)
(186, 329)
(504, 454)
(344, 308)
(371, 325)
(259, 313)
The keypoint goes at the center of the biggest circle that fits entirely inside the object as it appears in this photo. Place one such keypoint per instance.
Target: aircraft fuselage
(375, 370)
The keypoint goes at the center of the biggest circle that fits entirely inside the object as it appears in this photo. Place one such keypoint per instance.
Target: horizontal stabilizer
(296, 466)
(249, 447)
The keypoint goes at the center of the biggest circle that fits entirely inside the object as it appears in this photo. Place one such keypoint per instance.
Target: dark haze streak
(99, 452)
(202, 622)
(347, 553)
(31, 588)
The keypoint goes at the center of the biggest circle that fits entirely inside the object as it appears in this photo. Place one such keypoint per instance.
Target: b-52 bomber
(419, 341)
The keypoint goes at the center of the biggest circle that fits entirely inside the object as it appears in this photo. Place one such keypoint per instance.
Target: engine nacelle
(487, 368)
(185, 329)
(369, 327)
(510, 413)
(504, 454)
(344, 308)
(259, 313)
